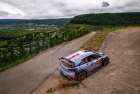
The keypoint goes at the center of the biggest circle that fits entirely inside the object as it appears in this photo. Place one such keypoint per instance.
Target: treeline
(108, 19)
(39, 43)
(59, 22)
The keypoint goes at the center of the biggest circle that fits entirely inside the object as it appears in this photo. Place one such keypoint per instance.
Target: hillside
(108, 19)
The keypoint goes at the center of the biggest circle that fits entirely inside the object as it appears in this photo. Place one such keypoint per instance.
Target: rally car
(80, 64)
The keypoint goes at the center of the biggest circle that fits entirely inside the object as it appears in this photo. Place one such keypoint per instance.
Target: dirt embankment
(121, 76)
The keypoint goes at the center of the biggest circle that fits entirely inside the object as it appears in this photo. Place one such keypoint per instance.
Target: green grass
(7, 66)
(3, 44)
(72, 27)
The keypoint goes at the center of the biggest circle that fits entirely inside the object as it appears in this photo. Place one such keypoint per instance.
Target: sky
(51, 9)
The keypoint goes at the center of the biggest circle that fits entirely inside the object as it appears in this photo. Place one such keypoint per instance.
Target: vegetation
(108, 19)
(14, 37)
(10, 32)
(10, 65)
(28, 45)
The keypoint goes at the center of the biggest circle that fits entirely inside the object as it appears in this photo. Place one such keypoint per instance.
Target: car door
(86, 64)
(97, 61)
(91, 63)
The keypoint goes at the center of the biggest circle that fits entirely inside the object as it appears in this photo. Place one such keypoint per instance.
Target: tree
(21, 48)
(12, 56)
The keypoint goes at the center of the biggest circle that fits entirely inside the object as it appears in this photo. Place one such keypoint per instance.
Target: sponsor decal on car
(100, 62)
(73, 56)
(81, 52)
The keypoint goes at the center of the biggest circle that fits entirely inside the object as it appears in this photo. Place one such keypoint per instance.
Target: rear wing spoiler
(61, 59)
(67, 62)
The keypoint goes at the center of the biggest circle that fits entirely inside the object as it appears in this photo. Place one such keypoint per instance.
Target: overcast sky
(41, 9)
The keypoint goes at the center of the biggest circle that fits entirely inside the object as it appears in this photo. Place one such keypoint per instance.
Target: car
(81, 64)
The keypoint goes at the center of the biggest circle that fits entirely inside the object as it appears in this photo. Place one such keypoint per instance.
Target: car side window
(86, 60)
(83, 61)
(95, 56)
(90, 58)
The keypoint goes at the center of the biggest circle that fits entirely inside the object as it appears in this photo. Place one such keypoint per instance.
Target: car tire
(105, 61)
(82, 75)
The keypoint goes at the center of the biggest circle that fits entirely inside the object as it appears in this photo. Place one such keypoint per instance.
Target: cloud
(3, 13)
(62, 8)
(9, 11)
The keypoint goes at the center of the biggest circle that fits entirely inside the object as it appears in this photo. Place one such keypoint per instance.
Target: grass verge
(95, 42)
(4, 67)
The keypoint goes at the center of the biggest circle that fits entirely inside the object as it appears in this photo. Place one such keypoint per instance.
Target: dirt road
(26, 77)
(121, 76)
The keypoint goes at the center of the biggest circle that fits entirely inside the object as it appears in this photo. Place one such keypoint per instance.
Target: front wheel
(82, 76)
(106, 61)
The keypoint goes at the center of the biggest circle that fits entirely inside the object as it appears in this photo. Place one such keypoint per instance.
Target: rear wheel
(82, 75)
(106, 61)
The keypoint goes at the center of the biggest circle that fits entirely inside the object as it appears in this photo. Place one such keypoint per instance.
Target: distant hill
(59, 22)
(108, 19)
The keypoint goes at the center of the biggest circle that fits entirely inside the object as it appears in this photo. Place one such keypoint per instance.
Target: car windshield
(67, 62)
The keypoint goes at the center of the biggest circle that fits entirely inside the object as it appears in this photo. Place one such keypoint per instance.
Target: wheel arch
(105, 61)
(86, 71)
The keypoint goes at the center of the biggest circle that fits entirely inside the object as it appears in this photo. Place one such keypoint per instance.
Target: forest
(108, 19)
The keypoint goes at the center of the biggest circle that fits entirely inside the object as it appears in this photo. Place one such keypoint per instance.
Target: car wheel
(82, 75)
(106, 61)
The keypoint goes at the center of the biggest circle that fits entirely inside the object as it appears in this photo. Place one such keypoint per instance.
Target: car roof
(76, 57)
